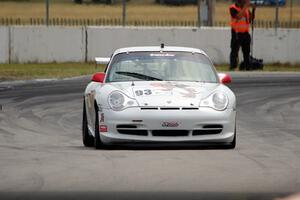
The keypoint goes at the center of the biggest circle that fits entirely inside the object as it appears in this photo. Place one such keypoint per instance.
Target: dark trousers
(239, 40)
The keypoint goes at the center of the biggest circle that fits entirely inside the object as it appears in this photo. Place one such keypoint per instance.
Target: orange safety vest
(240, 25)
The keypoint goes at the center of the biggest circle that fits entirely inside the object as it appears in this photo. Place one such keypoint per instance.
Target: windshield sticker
(162, 55)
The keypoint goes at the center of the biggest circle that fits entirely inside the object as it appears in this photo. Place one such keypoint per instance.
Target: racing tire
(232, 144)
(97, 142)
(87, 139)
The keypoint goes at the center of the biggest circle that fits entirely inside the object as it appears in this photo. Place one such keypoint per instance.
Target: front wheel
(232, 144)
(87, 139)
(97, 142)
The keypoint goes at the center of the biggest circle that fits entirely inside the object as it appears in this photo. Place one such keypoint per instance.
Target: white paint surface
(282, 47)
(69, 44)
(4, 44)
(102, 41)
(47, 44)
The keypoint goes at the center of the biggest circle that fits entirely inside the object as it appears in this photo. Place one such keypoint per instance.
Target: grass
(145, 10)
(282, 68)
(50, 70)
(136, 10)
(62, 70)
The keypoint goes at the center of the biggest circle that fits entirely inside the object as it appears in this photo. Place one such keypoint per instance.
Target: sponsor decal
(142, 91)
(100, 109)
(170, 124)
(101, 117)
(91, 97)
(103, 129)
(182, 89)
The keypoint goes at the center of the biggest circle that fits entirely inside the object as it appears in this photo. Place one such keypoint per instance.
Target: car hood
(166, 93)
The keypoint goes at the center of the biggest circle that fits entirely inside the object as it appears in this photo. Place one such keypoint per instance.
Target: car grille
(128, 129)
(189, 108)
(149, 108)
(169, 108)
(170, 133)
(208, 130)
(134, 130)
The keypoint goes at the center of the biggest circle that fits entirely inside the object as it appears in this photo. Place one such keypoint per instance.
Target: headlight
(217, 101)
(220, 101)
(119, 101)
(116, 100)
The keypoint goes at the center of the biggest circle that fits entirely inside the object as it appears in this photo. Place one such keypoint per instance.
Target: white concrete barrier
(69, 44)
(282, 46)
(47, 44)
(214, 41)
(4, 44)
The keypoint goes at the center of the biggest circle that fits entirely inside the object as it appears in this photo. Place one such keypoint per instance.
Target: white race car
(159, 94)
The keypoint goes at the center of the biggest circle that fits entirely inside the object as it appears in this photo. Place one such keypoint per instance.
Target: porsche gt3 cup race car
(159, 94)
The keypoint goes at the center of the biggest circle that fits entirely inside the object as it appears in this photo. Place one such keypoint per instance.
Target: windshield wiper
(139, 76)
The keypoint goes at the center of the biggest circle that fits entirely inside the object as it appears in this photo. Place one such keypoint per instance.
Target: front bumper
(149, 120)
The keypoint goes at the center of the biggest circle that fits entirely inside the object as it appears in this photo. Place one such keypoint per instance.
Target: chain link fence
(138, 13)
(118, 22)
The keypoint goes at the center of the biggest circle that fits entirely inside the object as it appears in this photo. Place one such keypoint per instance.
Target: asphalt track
(42, 157)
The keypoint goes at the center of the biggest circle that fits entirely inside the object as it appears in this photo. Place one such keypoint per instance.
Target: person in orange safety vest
(241, 18)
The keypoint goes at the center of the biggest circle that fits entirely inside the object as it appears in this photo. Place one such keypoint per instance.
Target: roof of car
(158, 49)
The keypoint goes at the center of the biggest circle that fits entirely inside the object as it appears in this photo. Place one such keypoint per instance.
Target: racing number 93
(143, 92)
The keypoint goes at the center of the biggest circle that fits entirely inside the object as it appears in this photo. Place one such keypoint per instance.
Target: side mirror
(225, 78)
(98, 77)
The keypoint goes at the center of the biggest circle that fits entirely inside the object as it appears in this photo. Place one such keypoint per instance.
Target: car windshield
(161, 66)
